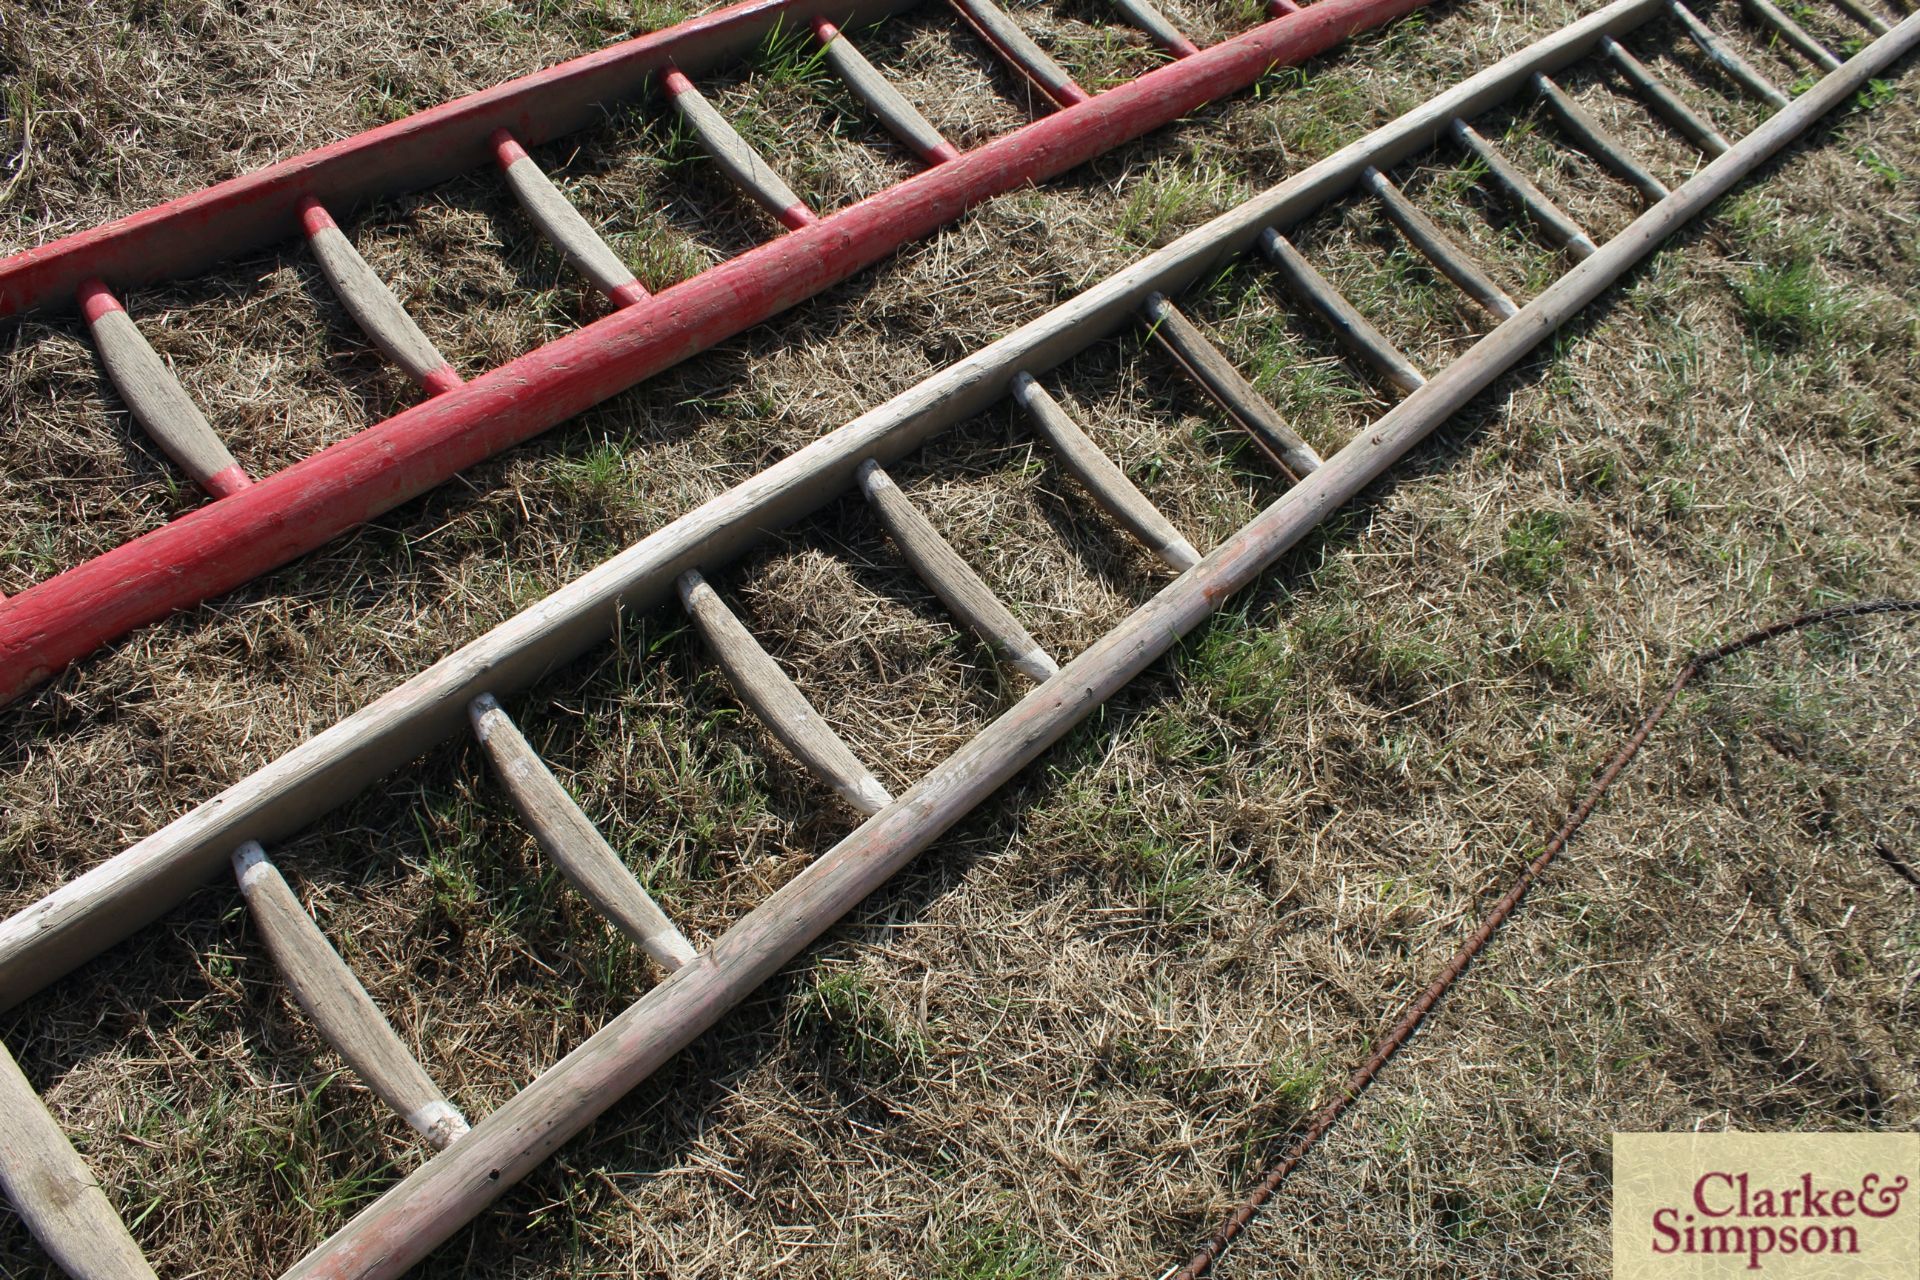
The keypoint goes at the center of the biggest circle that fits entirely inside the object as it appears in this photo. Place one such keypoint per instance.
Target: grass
(1791, 304)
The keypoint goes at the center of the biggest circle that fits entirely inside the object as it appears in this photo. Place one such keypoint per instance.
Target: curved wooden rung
(1216, 375)
(951, 578)
(1436, 246)
(1866, 17)
(158, 401)
(1737, 68)
(1793, 33)
(740, 162)
(340, 1007)
(51, 1188)
(1143, 15)
(1664, 101)
(772, 696)
(1018, 48)
(371, 304)
(900, 117)
(570, 839)
(1101, 476)
(1520, 189)
(1354, 329)
(555, 217)
(1597, 142)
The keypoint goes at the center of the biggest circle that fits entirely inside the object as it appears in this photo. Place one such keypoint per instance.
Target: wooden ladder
(257, 522)
(702, 978)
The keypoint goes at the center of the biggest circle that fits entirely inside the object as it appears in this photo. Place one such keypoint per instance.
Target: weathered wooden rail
(46, 1178)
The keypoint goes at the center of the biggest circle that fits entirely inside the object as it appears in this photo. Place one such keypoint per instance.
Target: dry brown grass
(1061, 1042)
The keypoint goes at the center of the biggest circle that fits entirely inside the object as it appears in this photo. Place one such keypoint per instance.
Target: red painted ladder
(257, 524)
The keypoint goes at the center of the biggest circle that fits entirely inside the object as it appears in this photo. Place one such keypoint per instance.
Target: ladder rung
(1864, 16)
(740, 162)
(1281, 8)
(158, 401)
(1436, 246)
(1597, 142)
(340, 1007)
(561, 223)
(372, 305)
(891, 107)
(568, 837)
(952, 578)
(1794, 34)
(1354, 329)
(771, 695)
(1736, 67)
(50, 1186)
(1013, 44)
(1216, 375)
(1143, 15)
(1520, 189)
(1664, 101)
(1101, 476)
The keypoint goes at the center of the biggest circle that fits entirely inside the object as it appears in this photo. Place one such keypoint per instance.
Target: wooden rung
(1281, 8)
(1520, 189)
(1737, 68)
(740, 162)
(952, 578)
(158, 401)
(1224, 383)
(340, 1007)
(568, 837)
(1436, 246)
(51, 1188)
(1307, 284)
(1864, 16)
(771, 695)
(372, 305)
(900, 117)
(1143, 15)
(563, 226)
(1101, 476)
(1597, 142)
(1793, 33)
(1005, 35)
(1664, 101)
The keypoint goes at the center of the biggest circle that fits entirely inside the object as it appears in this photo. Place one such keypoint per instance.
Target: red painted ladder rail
(259, 524)
(39, 1168)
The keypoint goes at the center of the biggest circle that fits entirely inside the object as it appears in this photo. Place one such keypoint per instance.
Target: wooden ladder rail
(1436, 246)
(741, 164)
(570, 839)
(770, 693)
(1665, 103)
(1723, 56)
(1228, 387)
(950, 577)
(54, 1192)
(1354, 330)
(158, 402)
(1593, 138)
(372, 304)
(891, 107)
(345, 1015)
(1004, 36)
(562, 225)
(1522, 192)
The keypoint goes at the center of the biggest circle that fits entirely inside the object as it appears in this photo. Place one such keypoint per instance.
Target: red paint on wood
(285, 515)
(224, 484)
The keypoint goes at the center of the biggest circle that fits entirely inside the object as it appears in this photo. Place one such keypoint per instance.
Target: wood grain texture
(571, 841)
(54, 1192)
(1593, 138)
(950, 577)
(340, 1007)
(740, 162)
(889, 106)
(771, 695)
(1663, 101)
(1437, 247)
(1101, 476)
(1305, 282)
(1216, 375)
(1536, 204)
(372, 304)
(556, 218)
(1737, 68)
(1019, 49)
(157, 400)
